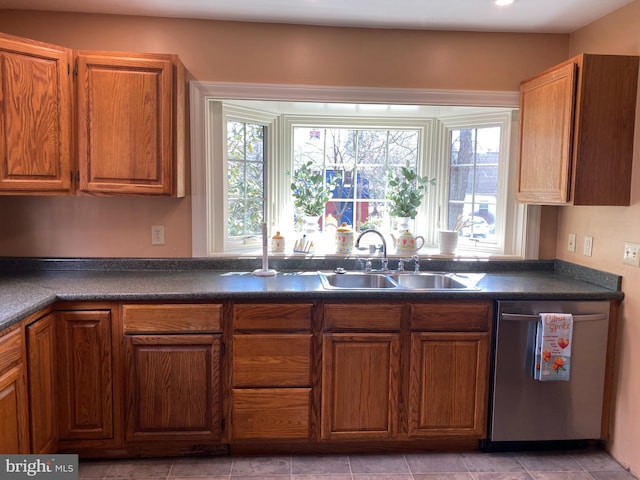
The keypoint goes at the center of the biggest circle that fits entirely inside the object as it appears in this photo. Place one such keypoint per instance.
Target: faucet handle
(416, 259)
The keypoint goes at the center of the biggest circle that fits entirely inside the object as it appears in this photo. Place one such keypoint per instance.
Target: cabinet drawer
(171, 318)
(10, 350)
(447, 316)
(272, 360)
(370, 317)
(272, 316)
(278, 413)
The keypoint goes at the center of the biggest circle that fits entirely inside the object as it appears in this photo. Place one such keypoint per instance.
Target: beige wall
(246, 52)
(611, 227)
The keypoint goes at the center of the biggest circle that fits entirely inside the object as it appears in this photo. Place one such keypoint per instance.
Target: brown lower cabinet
(41, 356)
(145, 379)
(85, 375)
(173, 373)
(271, 372)
(14, 412)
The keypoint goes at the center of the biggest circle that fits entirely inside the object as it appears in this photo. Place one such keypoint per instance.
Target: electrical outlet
(571, 243)
(157, 235)
(631, 254)
(588, 245)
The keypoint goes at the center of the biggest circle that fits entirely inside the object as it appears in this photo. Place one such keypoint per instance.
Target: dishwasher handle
(517, 317)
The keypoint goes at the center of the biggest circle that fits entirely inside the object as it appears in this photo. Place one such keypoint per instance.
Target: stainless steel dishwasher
(526, 410)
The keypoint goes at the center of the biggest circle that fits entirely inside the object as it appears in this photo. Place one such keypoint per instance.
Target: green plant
(406, 190)
(310, 190)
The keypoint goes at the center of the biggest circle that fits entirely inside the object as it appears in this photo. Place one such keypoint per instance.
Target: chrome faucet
(385, 260)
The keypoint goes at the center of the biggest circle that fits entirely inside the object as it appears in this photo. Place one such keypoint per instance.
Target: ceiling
(548, 16)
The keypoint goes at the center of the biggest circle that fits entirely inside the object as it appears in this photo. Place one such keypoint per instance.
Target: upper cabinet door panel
(125, 141)
(35, 117)
(546, 127)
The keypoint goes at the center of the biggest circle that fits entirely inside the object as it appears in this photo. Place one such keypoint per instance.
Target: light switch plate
(571, 242)
(588, 245)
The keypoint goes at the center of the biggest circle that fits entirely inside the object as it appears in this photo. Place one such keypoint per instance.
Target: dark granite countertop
(27, 285)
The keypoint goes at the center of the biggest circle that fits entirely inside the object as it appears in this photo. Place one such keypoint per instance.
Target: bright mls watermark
(48, 467)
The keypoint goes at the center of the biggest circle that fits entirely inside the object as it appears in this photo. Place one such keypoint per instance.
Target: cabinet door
(125, 123)
(546, 134)
(360, 381)
(448, 384)
(35, 117)
(85, 374)
(42, 398)
(173, 388)
(14, 412)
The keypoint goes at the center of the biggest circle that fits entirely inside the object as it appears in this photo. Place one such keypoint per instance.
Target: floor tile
(200, 467)
(382, 476)
(502, 476)
(148, 469)
(617, 475)
(260, 466)
(436, 463)
(345, 476)
(94, 469)
(378, 464)
(596, 460)
(492, 462)
(549, 462)
(443, 476)
(561, 476)
(320, 465)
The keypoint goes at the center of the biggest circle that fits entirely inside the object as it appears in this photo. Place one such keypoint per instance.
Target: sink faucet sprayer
(385, 260)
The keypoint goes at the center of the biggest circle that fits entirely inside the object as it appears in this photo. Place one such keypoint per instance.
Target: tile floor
(568, 465)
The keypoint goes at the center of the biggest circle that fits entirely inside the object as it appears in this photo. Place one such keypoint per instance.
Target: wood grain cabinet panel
(173, 388)
(265, 360)
(360, 382)
(41, 354)
(448, 384)
(35, 117)
(277, 413)
(85, 374)
(130, 111)
(14, 411)
(576, 132)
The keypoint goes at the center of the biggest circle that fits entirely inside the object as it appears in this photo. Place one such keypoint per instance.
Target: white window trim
(203, 113)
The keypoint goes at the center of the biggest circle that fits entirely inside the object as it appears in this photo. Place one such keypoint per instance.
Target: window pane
(362, 185)
(245, 178)
(473, 181)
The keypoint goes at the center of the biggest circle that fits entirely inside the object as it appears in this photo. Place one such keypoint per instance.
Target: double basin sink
(392, 280)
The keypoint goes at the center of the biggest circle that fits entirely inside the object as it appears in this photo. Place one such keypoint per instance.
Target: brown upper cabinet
(35, 117)
(576, 132)
(128, 133)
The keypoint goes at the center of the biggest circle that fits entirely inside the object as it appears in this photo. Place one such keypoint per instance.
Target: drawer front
(273, 316)
(10, 350)
(270, 413)
(272, 360)
(369, 317)
(470, 316)
(172, 318)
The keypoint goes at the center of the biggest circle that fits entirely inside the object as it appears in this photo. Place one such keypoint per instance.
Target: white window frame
(503, 120)
(523, 222)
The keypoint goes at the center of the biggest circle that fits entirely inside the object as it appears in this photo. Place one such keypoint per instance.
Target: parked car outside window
(475, 227)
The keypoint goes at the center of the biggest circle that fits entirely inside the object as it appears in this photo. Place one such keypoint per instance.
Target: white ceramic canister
(277, 243)
(448, 241)
(344, 238)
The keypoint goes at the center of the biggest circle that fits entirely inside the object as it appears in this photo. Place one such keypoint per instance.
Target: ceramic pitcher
(407, 243)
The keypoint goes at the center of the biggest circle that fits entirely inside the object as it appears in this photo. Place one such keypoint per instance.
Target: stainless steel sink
(391, 281)
(428, 281)
(356, 281)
